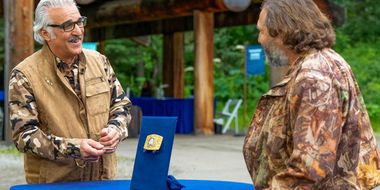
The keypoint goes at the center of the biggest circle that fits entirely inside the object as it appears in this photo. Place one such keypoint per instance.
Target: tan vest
(62, 114)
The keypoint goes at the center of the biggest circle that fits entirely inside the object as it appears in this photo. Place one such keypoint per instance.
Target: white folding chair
(229, 115)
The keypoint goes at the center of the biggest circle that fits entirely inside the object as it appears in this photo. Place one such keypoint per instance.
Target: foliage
(229, 68)
(362, 21)
(125, 55)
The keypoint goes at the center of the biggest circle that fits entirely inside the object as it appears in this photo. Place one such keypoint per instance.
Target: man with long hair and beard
(311, 130)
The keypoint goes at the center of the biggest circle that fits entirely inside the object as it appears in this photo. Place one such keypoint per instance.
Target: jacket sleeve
(26, 132)
(120, 105)
(316, 124)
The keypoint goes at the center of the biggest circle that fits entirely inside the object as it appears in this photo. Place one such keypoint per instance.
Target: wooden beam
(203, 71)
(181, 24)
(91, 8)
(174, 64)
(108, 13)
(19, 43)
(172, 25)
(84, 2)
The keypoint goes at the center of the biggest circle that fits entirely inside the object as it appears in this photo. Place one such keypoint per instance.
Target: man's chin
(77, 50)
(276, 61)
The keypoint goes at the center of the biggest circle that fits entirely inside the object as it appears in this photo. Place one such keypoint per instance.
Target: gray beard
(274, 55)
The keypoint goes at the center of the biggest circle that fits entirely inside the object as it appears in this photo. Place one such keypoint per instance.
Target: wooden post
(102, 47)
(19, 44)
(174, 64)
(203, 71)
(277, 74)
(245, 90)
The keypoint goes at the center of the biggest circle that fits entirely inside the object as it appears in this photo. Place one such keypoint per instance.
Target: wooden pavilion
(130, 18)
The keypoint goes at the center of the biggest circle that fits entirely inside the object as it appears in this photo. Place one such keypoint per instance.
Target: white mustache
(74, 38)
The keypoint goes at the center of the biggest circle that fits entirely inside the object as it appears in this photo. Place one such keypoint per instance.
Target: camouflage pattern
(312, 130)
(24, 114)
(71, 74)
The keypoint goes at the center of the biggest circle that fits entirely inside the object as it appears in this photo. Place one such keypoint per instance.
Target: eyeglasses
(68, 27)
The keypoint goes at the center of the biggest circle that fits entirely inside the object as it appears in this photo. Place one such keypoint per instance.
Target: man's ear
(45, 34)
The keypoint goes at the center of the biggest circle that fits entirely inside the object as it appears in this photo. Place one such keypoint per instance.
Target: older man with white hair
(68, 111)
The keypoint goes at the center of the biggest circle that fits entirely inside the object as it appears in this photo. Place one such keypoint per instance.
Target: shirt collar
(63, 65)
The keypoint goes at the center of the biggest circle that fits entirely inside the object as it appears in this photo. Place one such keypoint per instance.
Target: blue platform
(170, 107)
(2, 95)
(161, 126)
(124, 185)
(153, 167)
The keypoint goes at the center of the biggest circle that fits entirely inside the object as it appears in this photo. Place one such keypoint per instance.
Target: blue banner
(254, 60)
(90, 45)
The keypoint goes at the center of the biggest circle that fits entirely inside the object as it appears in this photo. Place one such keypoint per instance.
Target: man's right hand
(90, 150)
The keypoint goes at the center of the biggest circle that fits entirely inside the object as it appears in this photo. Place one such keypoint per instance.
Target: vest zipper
(88, 127)
(85, 108)
(84, 125)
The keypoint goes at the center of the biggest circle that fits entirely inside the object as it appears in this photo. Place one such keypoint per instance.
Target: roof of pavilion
(129, 18)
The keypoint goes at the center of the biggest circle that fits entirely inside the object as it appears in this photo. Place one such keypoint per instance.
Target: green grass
(120, 158)
(10, 150)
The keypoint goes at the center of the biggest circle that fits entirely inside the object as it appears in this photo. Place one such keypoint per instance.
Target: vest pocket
(60, 171)
(97, 96)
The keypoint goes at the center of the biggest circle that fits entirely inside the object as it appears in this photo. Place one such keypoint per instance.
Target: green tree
(362, 22)
(125, 55)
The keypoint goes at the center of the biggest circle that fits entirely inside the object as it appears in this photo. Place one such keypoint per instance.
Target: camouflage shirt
(312, 131)
(24, 113)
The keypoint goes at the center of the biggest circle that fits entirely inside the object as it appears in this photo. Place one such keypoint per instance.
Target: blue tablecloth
(124, 185)
(2, 95)
(182, 108)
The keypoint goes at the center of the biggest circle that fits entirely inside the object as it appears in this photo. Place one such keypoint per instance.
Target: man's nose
(77, 28)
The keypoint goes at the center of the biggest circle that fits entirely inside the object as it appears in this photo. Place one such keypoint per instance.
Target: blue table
(2, 95)
(182, 108)
(124, 185)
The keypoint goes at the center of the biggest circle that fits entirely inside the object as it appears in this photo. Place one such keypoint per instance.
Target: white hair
(42, 17)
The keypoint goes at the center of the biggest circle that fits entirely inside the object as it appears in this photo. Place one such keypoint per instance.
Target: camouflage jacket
(312, 130)
(52, 110)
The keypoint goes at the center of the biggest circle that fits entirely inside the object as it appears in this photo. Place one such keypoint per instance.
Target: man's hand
(91, 150)
(110, 139)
